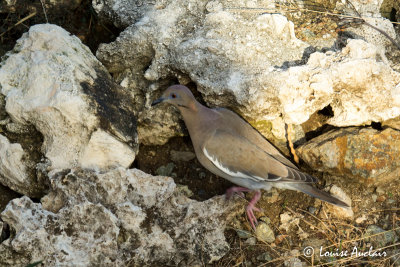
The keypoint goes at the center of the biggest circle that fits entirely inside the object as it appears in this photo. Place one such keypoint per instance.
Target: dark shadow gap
(377, 126)
(81, 21)
(154, 159)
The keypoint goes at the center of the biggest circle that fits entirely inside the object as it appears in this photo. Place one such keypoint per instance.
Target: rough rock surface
(366, 154)
(53, 82)
(251, 63)
(17, 169)
(115, 218)
(121, 12)
(370, 11)
(392, 123)
(339, 212)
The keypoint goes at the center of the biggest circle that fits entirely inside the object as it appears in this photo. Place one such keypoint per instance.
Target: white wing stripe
(227, 171)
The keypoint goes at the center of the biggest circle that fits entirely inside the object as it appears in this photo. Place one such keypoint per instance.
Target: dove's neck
(198, 119)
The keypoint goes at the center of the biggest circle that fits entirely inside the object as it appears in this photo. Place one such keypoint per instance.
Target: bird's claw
(252, 218)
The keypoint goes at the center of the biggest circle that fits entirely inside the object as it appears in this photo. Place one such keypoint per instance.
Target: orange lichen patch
(377, 153)
(369, 164)
(341, 143)
(367, 154)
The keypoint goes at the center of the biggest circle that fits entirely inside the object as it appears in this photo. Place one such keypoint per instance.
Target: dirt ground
(313, 223)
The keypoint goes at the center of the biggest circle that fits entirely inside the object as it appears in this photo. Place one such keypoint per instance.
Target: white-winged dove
(229, 147)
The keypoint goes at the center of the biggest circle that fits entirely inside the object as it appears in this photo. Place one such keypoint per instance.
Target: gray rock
(202, 175)
(182, 155)
(312, 210)
(243, 234)
(165, 170)
(121, 12)
(53, 82)
(265, 233)
(265, 219)
(18, 169)
(251, 63)
(184, 189)
(337, 211)
(378, 240)
(291, 259)
(115, 218)
(371, 11)
(265, 257)
(251, 241)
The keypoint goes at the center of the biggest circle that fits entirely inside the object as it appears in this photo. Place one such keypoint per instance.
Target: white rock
(16, 169)
(11, 165)
(338, 211)
(253, 63)
(52, 81)
(92, 241)
(287, 221)
(121, 12)
(217, 39)
(115, 218)
(104, 149)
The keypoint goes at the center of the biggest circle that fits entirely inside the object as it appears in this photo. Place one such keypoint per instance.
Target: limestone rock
(165, 56)
(393, 123)
(17, 169)
(253, 64)
(121, 12)
(339, 212)
(53, 82)
(115, 218)
(371, 13)
(366, 154)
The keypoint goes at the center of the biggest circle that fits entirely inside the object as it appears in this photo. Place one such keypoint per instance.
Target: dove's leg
(251, 207)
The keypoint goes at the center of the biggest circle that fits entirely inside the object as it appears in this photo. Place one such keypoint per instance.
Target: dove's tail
(314, 192)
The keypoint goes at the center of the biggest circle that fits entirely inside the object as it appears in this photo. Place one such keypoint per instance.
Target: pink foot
(236, 189)
(251, 207)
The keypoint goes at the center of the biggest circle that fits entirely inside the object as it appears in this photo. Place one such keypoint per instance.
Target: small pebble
(381, 198)
(184, 189)
(380, 191)
(361, 219)
(243, 234)
(265, 257)
(312, 210)
(265, 233)
(202, 175)
(251, 241)
(181, 155)
(165, 170)
(265, 219)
